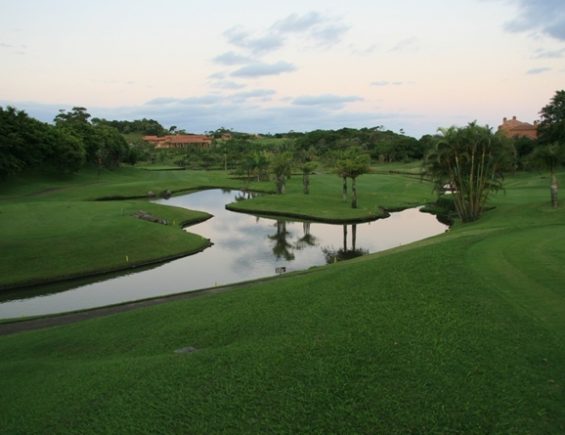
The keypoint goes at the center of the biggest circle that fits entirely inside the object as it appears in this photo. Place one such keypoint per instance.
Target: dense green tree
(551, 129)
(65, 152)
(471, 160)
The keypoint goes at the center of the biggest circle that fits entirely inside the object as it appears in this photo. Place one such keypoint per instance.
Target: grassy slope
(459, 333)
(51, 228)
(325, 202)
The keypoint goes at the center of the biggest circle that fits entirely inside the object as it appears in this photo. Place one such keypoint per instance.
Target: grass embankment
(376, 194)
(52, 228)
(461, 333)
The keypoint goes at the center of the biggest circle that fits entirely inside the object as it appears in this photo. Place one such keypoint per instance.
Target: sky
(268, 67)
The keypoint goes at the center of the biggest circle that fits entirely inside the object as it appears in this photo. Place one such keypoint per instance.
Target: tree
(352, 164)
(472, 161)
(552, 126)
(550, 157)
(281, 165)
(304, 159)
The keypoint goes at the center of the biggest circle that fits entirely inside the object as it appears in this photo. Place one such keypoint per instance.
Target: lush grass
(51, 227)
(375, 192)
(461, 333)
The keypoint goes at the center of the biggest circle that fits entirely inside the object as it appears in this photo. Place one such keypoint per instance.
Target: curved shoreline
(309, 218)
(15, 325)
(129, 266)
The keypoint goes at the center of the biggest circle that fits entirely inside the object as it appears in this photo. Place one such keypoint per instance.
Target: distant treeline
(70, 143)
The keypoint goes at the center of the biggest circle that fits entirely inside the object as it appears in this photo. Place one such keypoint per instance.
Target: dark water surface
(245, 247)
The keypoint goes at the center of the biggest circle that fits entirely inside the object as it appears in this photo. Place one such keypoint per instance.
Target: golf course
(462, 332)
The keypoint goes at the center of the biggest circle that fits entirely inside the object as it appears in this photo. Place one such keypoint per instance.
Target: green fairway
(460, 333)
(376, 192)
(52, 228)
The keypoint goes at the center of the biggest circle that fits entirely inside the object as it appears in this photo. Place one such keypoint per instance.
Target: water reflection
(245, 247)
(333, 256)
(281, 247)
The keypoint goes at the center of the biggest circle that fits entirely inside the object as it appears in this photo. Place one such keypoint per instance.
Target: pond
(245, 247)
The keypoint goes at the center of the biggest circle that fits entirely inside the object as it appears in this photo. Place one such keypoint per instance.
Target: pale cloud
(540, 70)
(259, 69)
(227, 84)
(387, 83)
(325, 100)
(231, 58)
(543, 16)
(217, 76)
(549, 54)
(297, 23)
(256, 44)
(262, 94)
(410, 45)
(241, 115)
(320, 29)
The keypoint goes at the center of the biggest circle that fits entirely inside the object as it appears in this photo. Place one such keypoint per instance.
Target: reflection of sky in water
(244, 247)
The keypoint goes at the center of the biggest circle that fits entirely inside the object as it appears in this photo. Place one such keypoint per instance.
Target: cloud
(544, 16)
(257, 45)
(259, 69)
(329, 35)
(549, 54)
(387, 83)
(231, 58)
(535, 71)
(410, 45)
(217, 76)
(295, 23)
(188, 114)
(263, 94)
(322, 30)
(325, 100)
(226, 84)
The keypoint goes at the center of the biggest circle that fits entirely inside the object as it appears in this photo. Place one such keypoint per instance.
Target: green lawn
(52, 227)
(375, 192)
(460, 333)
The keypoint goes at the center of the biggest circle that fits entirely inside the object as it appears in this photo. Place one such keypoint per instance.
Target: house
(180, 141)
(514, 128)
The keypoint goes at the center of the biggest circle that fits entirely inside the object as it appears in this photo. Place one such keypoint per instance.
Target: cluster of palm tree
(471, 162)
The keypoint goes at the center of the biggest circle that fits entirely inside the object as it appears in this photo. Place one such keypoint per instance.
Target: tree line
(70, 143)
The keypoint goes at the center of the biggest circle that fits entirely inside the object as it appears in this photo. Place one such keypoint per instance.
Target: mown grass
(375, 193)
(460, 333)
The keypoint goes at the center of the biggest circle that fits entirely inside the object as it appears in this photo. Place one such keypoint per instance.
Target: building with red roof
(514, 128)
(179, 141)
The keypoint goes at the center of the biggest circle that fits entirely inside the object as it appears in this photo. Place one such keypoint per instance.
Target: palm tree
(352, 164)
(472, 161)
(304, 159)
(281, 165)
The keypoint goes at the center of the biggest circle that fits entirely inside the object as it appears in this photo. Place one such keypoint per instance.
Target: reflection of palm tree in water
(333, 256)
(307, 239)
(282, 248)
(245, 195)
